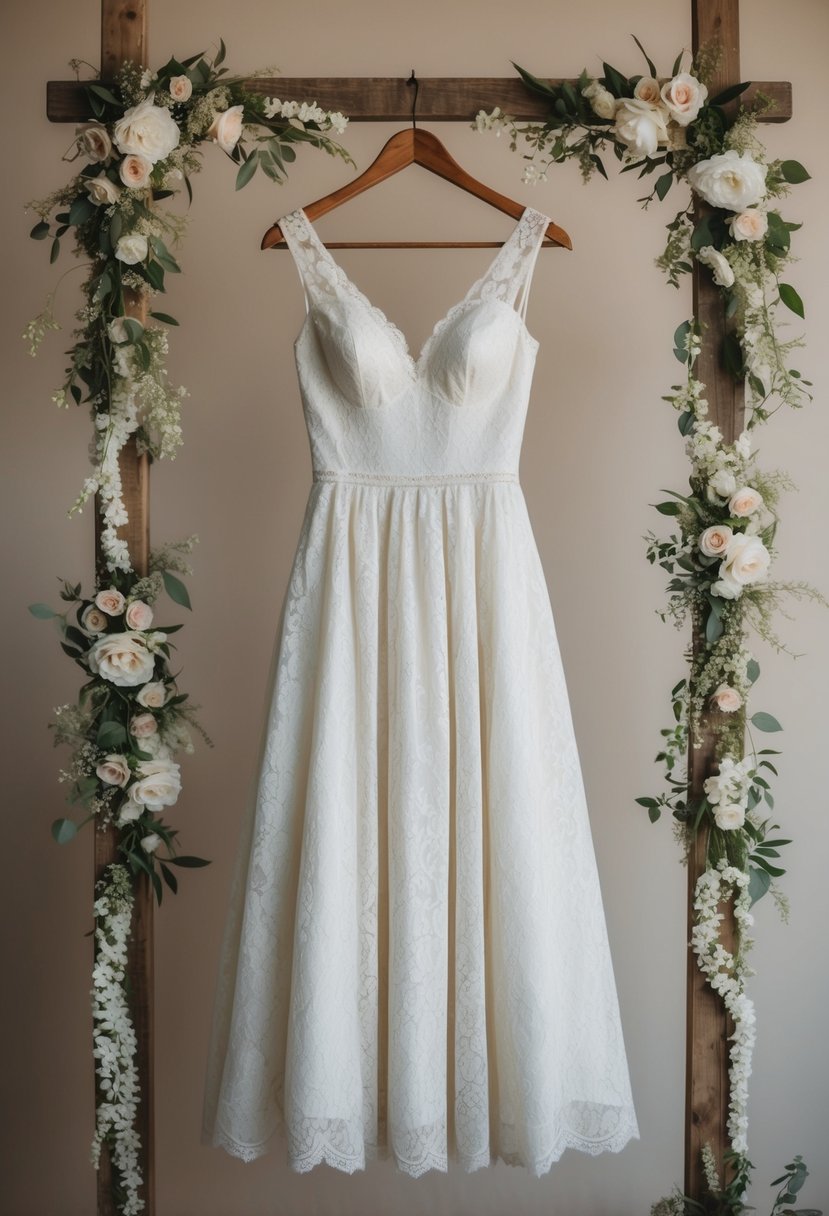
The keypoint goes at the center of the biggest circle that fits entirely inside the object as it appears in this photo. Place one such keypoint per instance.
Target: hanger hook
(413, 80)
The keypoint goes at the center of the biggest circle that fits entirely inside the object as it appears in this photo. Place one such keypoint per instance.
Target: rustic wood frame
(124, 27)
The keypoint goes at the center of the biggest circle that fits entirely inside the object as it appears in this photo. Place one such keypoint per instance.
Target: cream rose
(142, 725)
(110, 601)
(114, 770)
(150, 842)
(729, 180)
(93, 620)
(131, 248)
(749, 225)
(152, 695)
(135, 171)
(746, 561)
(714, 540)
(719, 264)
(745, 501)
(159, 783)
(94, 140)
(139, 615)
(683, 97)
(647, 89)
(726, 588)
(146, 130)
(640, 126)
(602, 101)
(226, 128)
(130, 810)
(121, 658)
(726, 699)
(181, 88)
(723, 483)
(101, 190)
(729, 815)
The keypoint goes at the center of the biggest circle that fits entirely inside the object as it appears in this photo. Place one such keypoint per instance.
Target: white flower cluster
(727, 791)
(497, 121)
(113, 1037)
(656, 114)
(727, 974)
(300, 112)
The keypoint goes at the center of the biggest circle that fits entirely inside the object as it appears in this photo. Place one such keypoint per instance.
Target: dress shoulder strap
(311, 258)
(509, 276)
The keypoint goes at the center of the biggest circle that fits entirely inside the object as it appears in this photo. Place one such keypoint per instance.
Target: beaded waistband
(403, 479)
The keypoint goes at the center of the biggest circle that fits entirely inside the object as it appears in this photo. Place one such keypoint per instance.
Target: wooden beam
(708, 1024)
(124, 37)
(389, 99)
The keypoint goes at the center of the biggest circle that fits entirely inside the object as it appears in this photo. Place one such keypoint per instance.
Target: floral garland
(131, 720)
(720, 557)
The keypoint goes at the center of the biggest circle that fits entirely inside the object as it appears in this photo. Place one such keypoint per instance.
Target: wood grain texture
(124, 37)
(387, 99)
(708, 1025)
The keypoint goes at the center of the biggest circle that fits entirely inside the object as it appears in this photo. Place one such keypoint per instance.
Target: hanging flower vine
(721, 555)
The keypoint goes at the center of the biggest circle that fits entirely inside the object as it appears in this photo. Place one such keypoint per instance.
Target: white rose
(135, 171)
(746, 561)
(226, 128)
(121, 658)
(729, 180)
(729, 815)
(749, 225)
(146, 130)
(142, 725)
(94, 140)
(181, 88)
(110, 601)
(152, 695)
(723, 483)
(114, 770)
(714, 540)
(139, 615)
(726, 698)
(647, 89)
(93, 620)
(726, 588)
(159, 783)
(745, 501)
(720, 267)
(713, 788)
(131, 248)
(130, 810)
(640, 126)
(101, 190)
(602, 101)
(683, 97)
(150, 843)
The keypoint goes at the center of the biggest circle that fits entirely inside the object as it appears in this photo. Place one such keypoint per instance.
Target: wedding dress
(415, 961)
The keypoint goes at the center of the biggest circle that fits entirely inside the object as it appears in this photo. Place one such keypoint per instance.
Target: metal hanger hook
(413, 80)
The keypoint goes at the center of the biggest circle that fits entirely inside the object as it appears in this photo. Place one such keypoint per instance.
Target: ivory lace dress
(415, 961)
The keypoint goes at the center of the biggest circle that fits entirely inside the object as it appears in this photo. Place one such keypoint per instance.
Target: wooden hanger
(414, 146)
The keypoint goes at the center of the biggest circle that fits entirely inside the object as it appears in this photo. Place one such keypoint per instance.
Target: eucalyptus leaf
(40, 231)
(713, 627)
(765, 722)
(758, 883)
(246, 172)
(791, 299)
(165, 317)
(64, 830)
(42, 611)
(752, 670)
(793, 172)
(176, 589)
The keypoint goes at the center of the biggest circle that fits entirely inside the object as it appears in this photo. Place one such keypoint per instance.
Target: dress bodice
(372, 407)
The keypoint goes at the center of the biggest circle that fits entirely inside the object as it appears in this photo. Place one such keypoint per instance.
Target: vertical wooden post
(124, 37)
(708, 1025)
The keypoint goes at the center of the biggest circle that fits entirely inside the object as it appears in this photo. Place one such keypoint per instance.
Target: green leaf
(752, 671)
(155, 275)
(701, 235)
(778, 238)
(42, 611)
(176, 589)
(221, 54)
(654, 813)
(713, 627)
(791, 299)
(40, 231)
(64, 830)
(110, 734)
(793, 172)
(55, 250)
(647, 802)
(615, 82)
(729, 94)
(165, 317)
(677, 62)
(191, 863)
(532, 82)
(685, 421)
(246, 172)
(663, 184)
(765, 722)
(103, 93)
(758, 883)
(648, 60)
(680, 334)
(82, 209)
(667, 508)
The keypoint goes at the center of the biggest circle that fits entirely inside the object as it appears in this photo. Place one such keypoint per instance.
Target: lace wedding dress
(415, 960)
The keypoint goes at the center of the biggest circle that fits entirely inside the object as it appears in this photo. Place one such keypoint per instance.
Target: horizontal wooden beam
(389, 98)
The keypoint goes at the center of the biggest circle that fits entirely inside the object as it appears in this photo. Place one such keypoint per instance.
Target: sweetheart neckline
(414, 363)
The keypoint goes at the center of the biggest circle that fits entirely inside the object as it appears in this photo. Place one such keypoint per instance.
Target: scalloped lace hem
(325, 1153)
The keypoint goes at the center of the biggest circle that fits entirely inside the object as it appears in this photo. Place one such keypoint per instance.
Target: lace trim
(421, 479)
(523, 243)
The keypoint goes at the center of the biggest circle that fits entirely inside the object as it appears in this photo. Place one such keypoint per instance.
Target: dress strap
(509, 276)
(311, 258)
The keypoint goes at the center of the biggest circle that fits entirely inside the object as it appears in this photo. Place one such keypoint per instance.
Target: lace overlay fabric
(415, 961)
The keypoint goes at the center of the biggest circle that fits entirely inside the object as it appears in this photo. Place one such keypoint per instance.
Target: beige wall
(599, 445)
